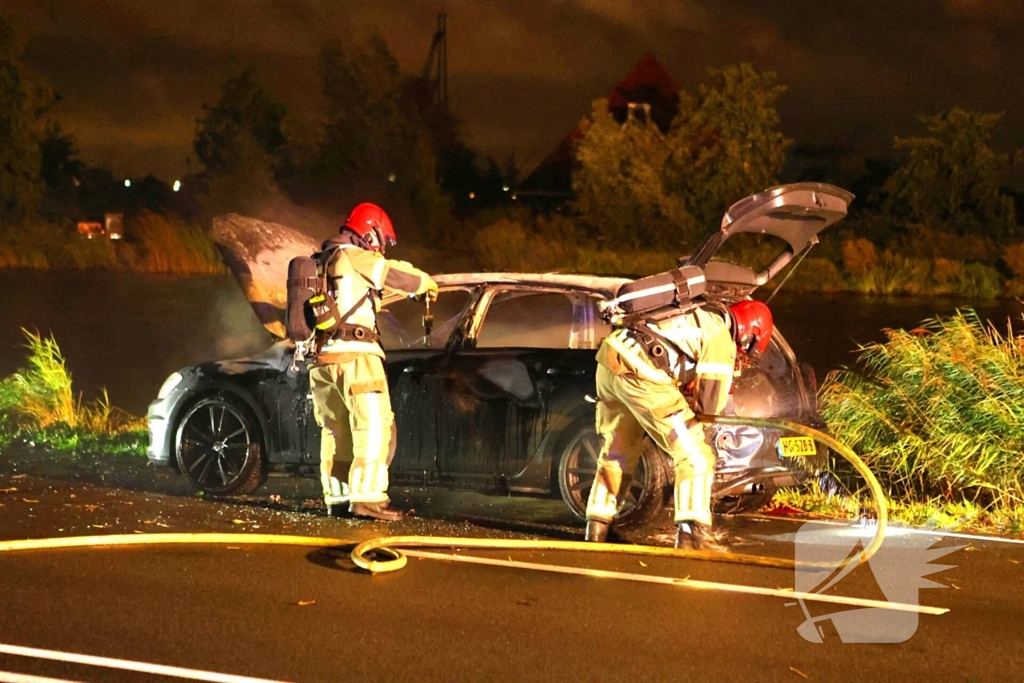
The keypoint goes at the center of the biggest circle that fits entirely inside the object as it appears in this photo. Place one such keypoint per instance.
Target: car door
(412, 359)
(522, 348)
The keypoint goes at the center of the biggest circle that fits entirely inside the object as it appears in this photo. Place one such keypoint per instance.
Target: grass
(38, 406)
(153, 244)
(937, 513)
(938, 415)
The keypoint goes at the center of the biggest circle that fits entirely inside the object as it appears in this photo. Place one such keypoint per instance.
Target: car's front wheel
(577, 469)
(219, 447)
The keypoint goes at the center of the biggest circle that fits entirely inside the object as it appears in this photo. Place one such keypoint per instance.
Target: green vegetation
(641, 184)
(156, 244)
(39, 406)
(649, 182)
(941, 514)
(938, 416)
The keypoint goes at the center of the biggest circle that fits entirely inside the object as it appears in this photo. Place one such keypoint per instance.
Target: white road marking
(683, 583)
(892, 530)
(128, 665)
(11, 677)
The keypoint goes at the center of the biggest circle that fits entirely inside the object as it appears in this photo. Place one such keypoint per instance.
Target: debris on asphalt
(304, 603)
(798, 672)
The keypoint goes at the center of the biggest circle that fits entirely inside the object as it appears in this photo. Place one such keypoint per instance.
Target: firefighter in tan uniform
(640, 379)
(350, 390)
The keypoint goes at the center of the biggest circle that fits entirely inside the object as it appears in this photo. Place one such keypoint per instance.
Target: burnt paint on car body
(503, 413)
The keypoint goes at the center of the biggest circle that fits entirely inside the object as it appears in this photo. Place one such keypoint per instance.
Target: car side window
(527, 319)
(401, 321)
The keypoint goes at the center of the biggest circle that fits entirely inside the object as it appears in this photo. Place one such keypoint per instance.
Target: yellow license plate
(796, 446)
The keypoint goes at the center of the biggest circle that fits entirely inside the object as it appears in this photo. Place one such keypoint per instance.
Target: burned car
(494, 395)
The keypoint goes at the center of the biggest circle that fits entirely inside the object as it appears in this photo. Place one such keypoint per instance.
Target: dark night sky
(134, 73)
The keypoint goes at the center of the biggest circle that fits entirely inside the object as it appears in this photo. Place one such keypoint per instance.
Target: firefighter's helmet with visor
(373, 225)
(751, 326)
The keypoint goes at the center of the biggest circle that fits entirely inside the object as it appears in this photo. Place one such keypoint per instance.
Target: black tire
(748, 502)
(219, 447)
(577, 468)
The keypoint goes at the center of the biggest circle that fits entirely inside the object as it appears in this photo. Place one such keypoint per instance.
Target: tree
(244, 111)
(725, 143)
(376, 145)
(638, 186)
(620, 183)
(22, 105)
(950, 181)
(241, 142)
(61, 173)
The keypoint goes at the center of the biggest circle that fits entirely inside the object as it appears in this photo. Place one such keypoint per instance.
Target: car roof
(604, 286)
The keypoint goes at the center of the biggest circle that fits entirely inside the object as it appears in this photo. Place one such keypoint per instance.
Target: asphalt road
(301, 614)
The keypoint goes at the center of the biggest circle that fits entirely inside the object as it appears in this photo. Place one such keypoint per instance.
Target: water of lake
(128, 332)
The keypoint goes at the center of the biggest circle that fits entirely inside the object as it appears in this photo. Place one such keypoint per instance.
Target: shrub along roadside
(938, 416)
(39, 407)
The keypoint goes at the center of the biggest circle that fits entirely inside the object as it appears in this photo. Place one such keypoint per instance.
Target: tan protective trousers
(352, 405)
(628, 406)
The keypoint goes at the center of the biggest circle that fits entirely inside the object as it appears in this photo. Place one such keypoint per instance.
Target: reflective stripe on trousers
(352, 405)
(628, 407)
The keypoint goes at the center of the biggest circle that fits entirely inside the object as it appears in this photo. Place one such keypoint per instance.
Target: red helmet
(371, 223)
(752, 326)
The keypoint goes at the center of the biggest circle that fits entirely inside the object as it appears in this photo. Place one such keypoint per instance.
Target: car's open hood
(793, 213)
(258, 252)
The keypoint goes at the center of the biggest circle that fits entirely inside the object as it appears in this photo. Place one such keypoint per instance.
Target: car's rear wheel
(219, 447)
(577, 469)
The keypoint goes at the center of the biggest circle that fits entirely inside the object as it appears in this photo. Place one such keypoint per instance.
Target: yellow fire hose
(389, 546)
(395, 560)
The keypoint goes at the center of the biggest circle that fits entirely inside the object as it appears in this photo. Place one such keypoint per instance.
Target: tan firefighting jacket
(700, 345)
(360, 275)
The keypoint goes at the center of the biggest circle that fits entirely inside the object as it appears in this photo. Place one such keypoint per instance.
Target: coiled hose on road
(389, 546)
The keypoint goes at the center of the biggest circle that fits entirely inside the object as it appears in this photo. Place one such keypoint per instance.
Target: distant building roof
(647, 83)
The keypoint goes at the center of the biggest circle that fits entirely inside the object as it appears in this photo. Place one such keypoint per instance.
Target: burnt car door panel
(415, 347)
(522, 350)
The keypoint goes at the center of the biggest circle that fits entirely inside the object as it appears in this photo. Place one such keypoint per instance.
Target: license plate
(796, 446)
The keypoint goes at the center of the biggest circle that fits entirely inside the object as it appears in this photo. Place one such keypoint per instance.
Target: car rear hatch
(795, 214)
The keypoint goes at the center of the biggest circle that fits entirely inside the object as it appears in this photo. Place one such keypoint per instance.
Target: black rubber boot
(597, 531)
(382, 511)
(696, 536)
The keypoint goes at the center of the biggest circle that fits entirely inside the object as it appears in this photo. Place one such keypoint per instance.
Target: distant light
(127, 183)
(504, 188)
(472, 195)
(513, 195)
(391, 177)
(177, 185)
(114, 236)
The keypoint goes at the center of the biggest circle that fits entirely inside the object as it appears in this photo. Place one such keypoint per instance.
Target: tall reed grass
(153, 244)
(39, 400)
(937, 413)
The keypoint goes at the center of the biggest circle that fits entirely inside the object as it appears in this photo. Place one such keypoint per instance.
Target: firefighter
(350, 390)
(641, 374)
